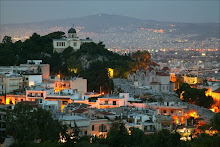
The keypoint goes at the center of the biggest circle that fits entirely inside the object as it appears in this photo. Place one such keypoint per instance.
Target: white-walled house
(83, 123)
(31, 79)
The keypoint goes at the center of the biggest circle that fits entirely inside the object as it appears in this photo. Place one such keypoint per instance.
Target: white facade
(31, 80)
(53, 106)
(153, 78)
(72, 40)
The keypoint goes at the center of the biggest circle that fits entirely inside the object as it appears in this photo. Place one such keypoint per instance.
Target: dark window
(93, 127)
(164, 111)
(102, 128)
(65, 102)
(106, 102)
(114, 102)
(172, 111)
(26, 78)
(85, 133)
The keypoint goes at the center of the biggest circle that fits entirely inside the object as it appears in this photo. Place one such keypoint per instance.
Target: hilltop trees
(90, 61)
(6, 40)
(142, 58)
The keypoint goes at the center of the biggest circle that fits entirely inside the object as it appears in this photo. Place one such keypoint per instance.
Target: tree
(138, 137)
(195, 96)
(118, 135)
(26, 124)
(204, 140)
(74, 135)
(141, 56)
(6, 40)
(215, 121)
(164, 138)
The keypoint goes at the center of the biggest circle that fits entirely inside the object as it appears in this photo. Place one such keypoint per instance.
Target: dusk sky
(176, 11)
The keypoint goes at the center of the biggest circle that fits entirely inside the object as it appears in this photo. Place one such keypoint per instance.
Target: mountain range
(105, 23)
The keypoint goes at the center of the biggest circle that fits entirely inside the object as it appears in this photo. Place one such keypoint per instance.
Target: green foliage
(204, 140)
(36, 47)
(97, 76)
(164, 138)
(26, 124)
(215, 121)
(118, 135)
(138, 137)
(7, 40)
(195, 96)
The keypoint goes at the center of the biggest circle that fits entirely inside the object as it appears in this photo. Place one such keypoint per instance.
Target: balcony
(110, 104)
(14, 84)
(34, 96)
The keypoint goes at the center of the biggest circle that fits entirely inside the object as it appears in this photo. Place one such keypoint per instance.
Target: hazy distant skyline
(175, 11)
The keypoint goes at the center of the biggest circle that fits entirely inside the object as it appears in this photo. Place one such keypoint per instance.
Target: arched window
(142, 77)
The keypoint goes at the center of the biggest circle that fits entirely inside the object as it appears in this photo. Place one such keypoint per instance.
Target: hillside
(90, 61)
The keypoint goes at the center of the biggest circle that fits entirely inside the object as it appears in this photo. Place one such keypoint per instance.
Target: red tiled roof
(165, 69)
(80, 110)
(150, 69)
(131, 73)
(162, 74)
(141, 68)
(154, 64)
(217, 90)
(104, 113)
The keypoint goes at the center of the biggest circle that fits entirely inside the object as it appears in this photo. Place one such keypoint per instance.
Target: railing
(13, 83)
(35, 96)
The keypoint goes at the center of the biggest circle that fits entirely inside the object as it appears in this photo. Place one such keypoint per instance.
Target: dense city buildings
(151, 95)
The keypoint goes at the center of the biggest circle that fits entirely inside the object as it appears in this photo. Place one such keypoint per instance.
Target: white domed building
(153, 78)
(59, 45)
